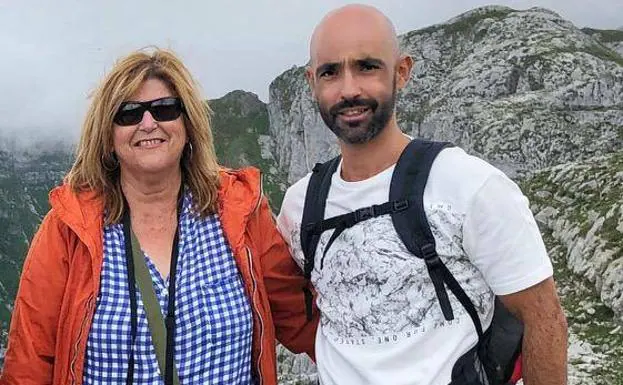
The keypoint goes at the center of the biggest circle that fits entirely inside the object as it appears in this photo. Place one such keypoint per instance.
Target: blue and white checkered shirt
(213, 315)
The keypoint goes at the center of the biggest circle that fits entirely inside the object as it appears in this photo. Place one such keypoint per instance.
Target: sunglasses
(163, 110)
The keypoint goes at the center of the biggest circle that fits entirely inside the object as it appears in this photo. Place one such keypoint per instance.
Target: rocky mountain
(525, 89)
(579, 207)
(582, 203)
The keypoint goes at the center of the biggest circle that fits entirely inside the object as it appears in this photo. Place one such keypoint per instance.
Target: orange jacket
(61, 275)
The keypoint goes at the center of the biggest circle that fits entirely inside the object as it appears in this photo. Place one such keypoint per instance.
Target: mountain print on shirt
(370, 285)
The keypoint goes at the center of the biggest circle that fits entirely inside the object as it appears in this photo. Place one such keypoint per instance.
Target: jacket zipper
(77, 344)
(259, 198)
(253, 279)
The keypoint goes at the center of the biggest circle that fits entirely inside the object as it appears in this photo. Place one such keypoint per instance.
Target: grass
(596, 197)
(605, 35)
(603, 53)
(466, 24)
(597, 51)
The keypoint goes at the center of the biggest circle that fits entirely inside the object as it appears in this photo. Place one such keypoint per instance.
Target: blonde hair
(92, 170)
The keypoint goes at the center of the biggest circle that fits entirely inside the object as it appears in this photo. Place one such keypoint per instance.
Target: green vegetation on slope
(239, 121)
(584, 193)
(605, 35)
(465, 25)
(24, 188)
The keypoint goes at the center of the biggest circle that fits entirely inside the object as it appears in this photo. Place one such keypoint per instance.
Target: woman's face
(150, 147)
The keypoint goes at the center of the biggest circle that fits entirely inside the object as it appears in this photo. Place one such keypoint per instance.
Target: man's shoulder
(456, 167)
(298, 189)
(457, 176)
(456, 163)
(294, 197)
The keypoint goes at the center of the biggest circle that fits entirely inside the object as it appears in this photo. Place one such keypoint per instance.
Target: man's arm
(545, 333)
(503, 240)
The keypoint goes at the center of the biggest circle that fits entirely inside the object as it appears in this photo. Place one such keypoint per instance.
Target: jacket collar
(239, 196)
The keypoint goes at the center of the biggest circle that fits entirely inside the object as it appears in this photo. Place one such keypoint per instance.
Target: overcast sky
(53, 53)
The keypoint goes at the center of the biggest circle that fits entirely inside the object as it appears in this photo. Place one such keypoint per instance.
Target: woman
(146, 169)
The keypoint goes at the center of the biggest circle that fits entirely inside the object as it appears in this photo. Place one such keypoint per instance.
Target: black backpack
(493, 360)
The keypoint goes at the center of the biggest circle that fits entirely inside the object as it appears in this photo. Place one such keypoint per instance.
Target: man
(380, 320)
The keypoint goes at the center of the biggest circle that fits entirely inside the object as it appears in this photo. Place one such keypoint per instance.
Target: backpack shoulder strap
(313, 213)
(409, 180)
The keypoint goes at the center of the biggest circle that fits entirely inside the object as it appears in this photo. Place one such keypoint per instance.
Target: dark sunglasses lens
(162, 110)
(129, 114)
(166, 109)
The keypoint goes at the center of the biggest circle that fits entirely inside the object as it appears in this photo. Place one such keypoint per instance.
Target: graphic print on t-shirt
(373, 290)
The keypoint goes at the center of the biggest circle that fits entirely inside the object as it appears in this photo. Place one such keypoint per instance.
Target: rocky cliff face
(579, 207)
(582, 203)
(523, 89)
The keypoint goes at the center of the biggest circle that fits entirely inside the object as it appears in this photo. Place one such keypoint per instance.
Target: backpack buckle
(311, 227)
(430, 255)
(400, 205)
(364, 213)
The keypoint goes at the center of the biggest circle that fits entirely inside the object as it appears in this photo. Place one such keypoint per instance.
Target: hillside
(25, 179)
(579, 207)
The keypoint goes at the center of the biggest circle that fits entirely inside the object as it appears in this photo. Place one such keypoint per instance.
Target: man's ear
(405, 65)
(311, 81)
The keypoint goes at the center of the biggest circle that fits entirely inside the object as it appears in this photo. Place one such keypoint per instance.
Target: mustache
(350, 103)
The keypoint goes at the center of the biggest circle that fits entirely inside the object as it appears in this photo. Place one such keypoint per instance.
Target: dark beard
(360, 132)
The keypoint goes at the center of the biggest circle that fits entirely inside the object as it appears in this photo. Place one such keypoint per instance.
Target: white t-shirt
(381, 322)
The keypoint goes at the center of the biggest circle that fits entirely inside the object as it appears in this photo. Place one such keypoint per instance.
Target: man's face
(358, 119)
(353, 78)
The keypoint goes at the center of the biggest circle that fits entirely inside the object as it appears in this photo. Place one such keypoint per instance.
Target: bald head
(354, 72)
(354, 26)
